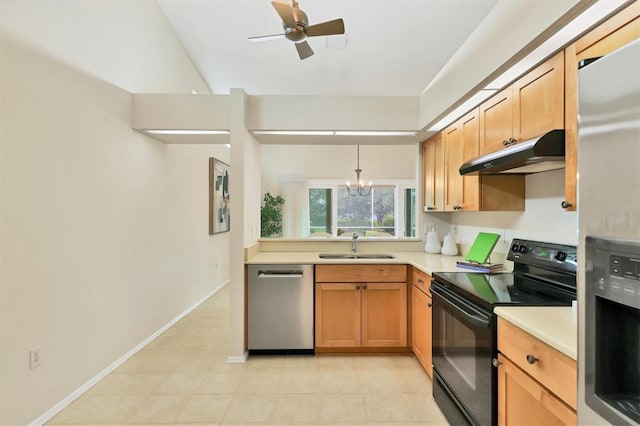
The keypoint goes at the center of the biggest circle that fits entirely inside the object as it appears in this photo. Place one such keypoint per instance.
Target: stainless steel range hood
(532, 156)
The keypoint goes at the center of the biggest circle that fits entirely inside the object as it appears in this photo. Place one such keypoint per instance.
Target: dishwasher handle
(280, 274)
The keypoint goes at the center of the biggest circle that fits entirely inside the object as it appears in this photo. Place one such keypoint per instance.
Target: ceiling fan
(297, 29)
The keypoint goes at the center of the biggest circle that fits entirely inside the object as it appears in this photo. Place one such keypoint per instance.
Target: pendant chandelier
(360, 188)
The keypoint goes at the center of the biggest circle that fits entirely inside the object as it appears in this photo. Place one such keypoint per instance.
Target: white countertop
(427, 263)
(557, 326)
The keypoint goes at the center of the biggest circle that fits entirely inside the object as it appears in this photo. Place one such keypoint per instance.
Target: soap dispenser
(449, 247)
(432, 243)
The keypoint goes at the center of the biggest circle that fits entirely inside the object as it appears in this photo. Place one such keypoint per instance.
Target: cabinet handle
(495, 362)
(512, 141)
(456, 207)
(364, 287)
(505, 142)
(430, 208)
(420, 281)
(565, 205)
(357, 287)
(429, 304)
(531, 359)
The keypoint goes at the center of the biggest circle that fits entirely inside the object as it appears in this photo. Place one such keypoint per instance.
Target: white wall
(104, 230)
(127, 43)
(336, 162)
(542, 220)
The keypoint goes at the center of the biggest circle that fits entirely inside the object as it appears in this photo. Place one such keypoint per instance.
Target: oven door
(462, 356)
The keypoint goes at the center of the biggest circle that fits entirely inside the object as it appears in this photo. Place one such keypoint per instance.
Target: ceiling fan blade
(260, 39)
(326, 28)
(304, 50)
(286, 14)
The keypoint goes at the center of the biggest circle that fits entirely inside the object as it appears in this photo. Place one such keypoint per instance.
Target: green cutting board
(482, 247)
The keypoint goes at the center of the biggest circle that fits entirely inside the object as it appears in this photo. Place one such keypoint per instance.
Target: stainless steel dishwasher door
(280, 308)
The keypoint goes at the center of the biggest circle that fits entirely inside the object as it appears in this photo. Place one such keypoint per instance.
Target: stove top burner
(543, 274)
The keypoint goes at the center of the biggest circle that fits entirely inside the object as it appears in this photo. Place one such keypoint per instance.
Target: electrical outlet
(34, 357)
(453, 229)
(503, 238)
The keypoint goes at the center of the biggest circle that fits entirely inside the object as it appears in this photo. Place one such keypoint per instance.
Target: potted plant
(271, 216)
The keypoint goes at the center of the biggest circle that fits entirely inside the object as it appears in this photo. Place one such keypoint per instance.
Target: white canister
(449, 247)
(432, 244)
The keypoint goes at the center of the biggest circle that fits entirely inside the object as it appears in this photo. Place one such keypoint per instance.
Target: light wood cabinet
(524, 401)
(433, 171)
(476, 193)
(461, 144)
(496, 122)
(338, 315)
(537, 384)
(530, 107)
(538, 100)
(619, 30)
(421, 332)
(361, 307)
(421, 321)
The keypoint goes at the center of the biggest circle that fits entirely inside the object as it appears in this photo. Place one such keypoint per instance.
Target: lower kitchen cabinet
(421, 328)
(357, 312)
(524, 401)
(537, 384)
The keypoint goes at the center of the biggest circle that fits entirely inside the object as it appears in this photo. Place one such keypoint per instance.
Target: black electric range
(465, 328)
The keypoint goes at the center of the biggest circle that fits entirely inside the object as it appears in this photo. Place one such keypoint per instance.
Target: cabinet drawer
(553, 369)
(421, 280)
(361, 273)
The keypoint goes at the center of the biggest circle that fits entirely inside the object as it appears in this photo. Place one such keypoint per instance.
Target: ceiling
(393, 48)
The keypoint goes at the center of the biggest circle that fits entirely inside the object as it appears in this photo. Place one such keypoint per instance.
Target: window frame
(401, 185)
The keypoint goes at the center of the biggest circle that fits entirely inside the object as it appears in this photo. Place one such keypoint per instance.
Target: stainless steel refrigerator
(609, 239)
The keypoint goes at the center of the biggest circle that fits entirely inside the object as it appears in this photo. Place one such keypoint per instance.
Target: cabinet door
(538, 100)
(384, 315)
(433, 170)
(421, 328)
(524, 401)
(461, 144)
(338, 315)
(496, 122)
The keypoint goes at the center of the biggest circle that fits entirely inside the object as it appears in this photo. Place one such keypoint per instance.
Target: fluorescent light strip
(294, 132)
(187, 132)
(373, 133)
(334, 133)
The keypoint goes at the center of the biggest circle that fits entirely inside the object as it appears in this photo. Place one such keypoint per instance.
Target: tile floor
(182, 377)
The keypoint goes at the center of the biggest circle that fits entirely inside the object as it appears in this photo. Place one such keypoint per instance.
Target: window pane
(353, 211)
(367, 214)
(319, 210)
(383, 209)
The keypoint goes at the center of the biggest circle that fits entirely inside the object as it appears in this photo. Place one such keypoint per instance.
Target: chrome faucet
(354, 242)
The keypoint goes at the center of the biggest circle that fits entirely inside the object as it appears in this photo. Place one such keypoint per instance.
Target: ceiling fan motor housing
(297, 34)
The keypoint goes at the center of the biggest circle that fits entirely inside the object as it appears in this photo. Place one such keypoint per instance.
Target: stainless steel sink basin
(356, 256)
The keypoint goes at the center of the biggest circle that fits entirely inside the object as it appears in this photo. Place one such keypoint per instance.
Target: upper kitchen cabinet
(433, 173)
(461, 144)
(496, 122)
(530, 107)
(475, 193)
(619, 30)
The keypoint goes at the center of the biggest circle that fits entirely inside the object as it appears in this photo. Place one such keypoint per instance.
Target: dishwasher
(280, 309)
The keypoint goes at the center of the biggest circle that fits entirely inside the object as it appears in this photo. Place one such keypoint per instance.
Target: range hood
(532, 156)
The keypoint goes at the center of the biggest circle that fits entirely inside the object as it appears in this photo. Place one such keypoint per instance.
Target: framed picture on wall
(218, 196)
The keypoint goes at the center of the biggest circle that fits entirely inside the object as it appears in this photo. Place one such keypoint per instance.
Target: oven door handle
(459, 305)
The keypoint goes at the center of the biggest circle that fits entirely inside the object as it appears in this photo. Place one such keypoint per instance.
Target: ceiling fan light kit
(296, 28)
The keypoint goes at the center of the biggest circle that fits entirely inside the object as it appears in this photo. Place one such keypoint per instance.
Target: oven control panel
(543, 254)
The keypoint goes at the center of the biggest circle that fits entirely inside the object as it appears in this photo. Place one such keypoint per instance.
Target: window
(389, 210)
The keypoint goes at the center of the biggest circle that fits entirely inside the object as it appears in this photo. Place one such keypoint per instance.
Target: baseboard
(238, 359)
(49, 414)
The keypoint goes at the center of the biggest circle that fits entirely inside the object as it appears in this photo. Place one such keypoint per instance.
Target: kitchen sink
(356, 256)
